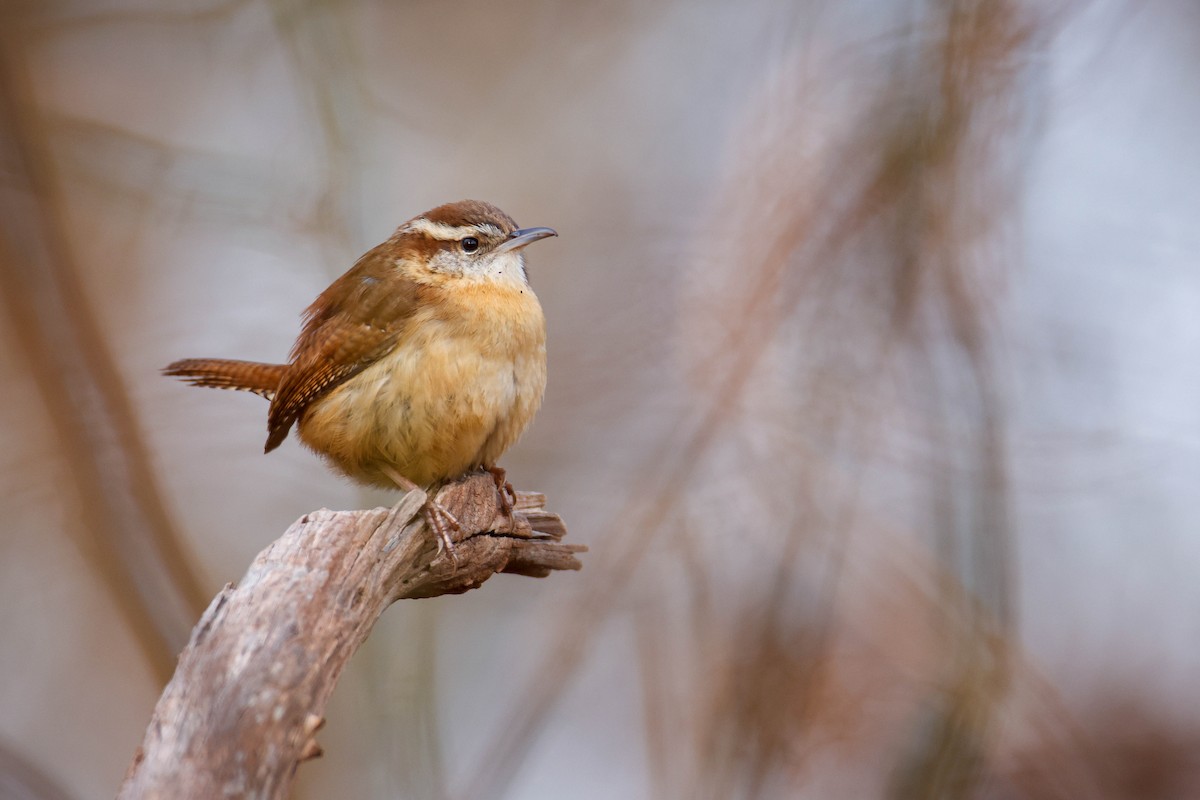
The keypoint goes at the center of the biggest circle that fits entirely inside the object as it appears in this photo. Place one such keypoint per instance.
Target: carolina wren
(427, 359)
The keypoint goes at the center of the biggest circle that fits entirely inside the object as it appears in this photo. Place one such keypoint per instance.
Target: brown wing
(357, 320)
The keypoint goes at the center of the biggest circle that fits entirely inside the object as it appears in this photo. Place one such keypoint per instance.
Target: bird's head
(469, 240)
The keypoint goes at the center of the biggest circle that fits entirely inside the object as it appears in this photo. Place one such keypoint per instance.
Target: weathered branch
(250, 689)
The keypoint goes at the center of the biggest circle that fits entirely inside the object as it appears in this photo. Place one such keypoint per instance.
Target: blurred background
(873, 384)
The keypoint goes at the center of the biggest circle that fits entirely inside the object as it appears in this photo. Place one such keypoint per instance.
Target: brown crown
(471, 212)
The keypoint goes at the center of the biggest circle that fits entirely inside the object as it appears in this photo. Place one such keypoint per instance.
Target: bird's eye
(469, 244)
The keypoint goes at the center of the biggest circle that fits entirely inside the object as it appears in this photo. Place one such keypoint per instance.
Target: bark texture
(250, 689)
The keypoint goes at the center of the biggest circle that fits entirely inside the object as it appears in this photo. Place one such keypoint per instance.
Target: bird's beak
(525, 236)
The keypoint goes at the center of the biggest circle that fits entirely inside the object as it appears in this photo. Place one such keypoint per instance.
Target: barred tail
(219, 373)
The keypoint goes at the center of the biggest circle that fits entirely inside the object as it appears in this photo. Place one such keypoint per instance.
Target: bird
(424, 361)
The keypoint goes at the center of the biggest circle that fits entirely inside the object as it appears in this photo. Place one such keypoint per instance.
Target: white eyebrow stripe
(448, 233)
(440, 230)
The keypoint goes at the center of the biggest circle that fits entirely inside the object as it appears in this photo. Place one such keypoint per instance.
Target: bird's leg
(508, 495)
(438, 517)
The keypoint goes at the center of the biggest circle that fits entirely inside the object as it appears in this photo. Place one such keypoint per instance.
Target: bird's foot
(437, 517)
(508, 495)
(441, 522)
